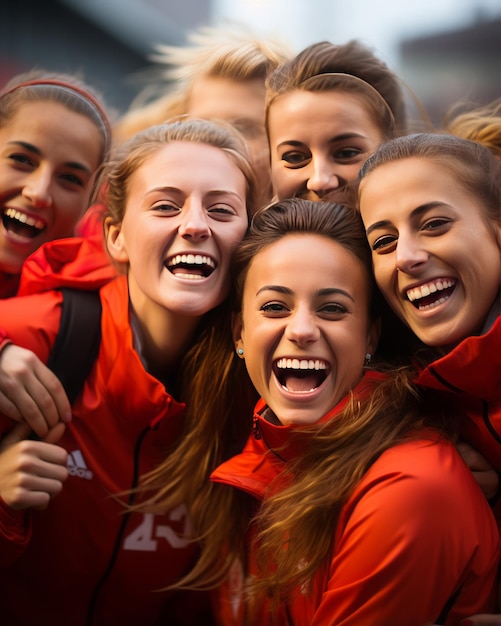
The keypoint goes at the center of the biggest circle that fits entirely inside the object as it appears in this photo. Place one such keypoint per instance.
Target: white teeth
(24, 219)
(425, 290)
(301, 364)
(189, 276)
(191, 259)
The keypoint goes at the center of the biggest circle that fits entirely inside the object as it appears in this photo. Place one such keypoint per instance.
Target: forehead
(305, 260)
(190, 163)
(417, 174)
(45, 123)
(299, 109)
(227, 99)
(399, 187)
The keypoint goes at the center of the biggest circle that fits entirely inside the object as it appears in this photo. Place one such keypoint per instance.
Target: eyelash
(326, 309)
(297, 159)
(432, 225)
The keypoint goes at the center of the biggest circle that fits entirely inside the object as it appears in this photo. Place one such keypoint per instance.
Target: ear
(115, 242)
(373, 336)
(237, 328)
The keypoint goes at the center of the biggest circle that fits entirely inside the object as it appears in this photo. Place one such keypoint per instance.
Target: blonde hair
(228, 52)
(481, 124)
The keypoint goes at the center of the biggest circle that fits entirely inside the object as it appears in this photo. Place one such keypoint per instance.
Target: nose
(302, 328)
(323, 179)
(38, 188)
(194, 222)
(410, 255)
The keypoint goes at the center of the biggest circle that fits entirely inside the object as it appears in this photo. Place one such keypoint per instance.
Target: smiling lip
(190, 265)
(300, 376)
(431, 294)
(21, 224)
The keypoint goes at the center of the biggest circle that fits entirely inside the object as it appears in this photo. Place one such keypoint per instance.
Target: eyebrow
(327, 291)
(342, 137)
(212, 192)
(423, 208)
(31, 148)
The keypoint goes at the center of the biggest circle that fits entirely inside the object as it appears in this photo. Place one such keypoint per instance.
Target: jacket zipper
(118, 541)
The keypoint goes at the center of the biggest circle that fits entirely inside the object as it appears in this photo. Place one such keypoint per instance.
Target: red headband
(78, 90)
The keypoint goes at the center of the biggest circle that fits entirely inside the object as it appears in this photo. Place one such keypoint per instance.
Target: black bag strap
(77, 343)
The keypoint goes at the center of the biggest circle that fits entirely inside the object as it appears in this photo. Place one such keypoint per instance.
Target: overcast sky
(379, 24)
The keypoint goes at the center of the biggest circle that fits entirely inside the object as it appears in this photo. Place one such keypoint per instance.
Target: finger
(42, 401)
(56, 398)
(55, 433)
(9, 409)
(473, 459)
(482, 620)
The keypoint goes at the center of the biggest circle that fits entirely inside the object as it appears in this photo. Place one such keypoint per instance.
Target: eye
(274, 309)
(21, 159)
(295, 158)
(221, 212)
(384, 243)
(348, 153)
(72, 179)
(436, 224)
(166, 208)
(332, 310)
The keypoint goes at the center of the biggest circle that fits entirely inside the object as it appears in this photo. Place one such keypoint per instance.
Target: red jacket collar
(473, 367)
(272, 445)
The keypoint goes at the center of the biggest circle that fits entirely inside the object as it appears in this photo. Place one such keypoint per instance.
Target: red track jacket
(471, 375)
(84, 560)
(416, 531)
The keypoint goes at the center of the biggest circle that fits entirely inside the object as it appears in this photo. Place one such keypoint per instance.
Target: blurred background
(444, 50)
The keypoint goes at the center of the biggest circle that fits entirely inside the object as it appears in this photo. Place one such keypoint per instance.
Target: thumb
(55, 433)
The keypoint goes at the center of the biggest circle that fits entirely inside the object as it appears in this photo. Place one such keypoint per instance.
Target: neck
(162, 336)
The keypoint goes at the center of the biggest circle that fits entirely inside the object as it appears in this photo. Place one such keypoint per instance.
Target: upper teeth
(191, 259)
(24, 219)
(301, 364)
(425, 290)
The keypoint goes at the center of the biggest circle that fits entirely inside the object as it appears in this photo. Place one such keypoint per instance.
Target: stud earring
(240, 352)
(368, 358)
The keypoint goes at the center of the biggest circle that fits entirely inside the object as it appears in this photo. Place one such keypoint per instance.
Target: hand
(31, 472)
(483, 472)
(482, 620)
(30, 392)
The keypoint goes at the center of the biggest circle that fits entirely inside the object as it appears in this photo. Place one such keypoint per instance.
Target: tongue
(301, 383)
(23, 230)
(185, 269)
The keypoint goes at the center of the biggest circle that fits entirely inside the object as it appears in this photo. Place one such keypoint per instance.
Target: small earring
(240, 352)
(368, 358)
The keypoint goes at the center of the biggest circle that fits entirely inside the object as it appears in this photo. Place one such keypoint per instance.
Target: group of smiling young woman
(241, 452)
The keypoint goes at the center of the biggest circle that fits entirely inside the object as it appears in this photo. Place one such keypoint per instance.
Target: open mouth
(300, 375)
(21, 224)
(431, 294)
(191, 266)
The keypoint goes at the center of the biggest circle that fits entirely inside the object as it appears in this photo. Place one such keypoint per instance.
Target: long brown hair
(214, 384)
(296, 525)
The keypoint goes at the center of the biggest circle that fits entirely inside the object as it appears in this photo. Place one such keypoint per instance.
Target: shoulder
(425, 474)
(32, 321)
